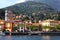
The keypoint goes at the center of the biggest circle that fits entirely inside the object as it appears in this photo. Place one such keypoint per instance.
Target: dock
(33, 33)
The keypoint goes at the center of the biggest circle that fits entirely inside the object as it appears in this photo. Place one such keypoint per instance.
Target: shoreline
(33, 33)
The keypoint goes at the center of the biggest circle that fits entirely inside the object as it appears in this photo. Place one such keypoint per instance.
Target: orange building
(8, 26)
(2, 22)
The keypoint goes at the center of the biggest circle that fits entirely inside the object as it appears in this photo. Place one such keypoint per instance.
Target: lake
(29, 37)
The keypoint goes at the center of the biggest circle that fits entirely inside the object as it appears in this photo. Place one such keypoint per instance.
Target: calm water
(29, 37)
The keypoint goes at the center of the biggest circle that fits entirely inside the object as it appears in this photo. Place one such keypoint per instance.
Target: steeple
(6, 15)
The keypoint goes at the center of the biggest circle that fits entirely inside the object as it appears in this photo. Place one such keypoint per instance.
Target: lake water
(29, 37)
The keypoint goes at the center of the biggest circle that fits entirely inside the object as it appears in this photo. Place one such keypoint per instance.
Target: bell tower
(6, 15)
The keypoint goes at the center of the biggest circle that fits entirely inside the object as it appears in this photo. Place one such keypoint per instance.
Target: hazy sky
(5, 3)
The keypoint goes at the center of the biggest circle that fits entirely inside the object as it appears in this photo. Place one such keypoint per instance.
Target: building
(59, 22)
(46, 24)
(2, 25)
(49, 22)
(9, 16)
(8, 23)
(8, 26)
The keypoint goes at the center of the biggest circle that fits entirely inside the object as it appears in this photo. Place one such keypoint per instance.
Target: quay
(22, 33)
(34, 33)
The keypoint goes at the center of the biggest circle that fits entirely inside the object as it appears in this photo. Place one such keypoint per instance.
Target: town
(29, 19)
(13, 23)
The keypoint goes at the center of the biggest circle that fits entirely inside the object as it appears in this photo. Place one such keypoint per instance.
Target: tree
(33, 27)
(15, 28)
(58, 27)
(46, 28)
(2, 13)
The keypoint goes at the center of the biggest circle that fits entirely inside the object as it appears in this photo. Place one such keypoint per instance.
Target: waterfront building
(8, 20)
(8, 26)
(12, 20)
(46, 24)
(2, 24)
(5, 25)
(49, 22)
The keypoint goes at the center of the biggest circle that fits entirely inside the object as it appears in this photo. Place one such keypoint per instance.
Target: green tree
(15, 28)
(2, 13)
(33, 27)
(58, 27)
(44, 27)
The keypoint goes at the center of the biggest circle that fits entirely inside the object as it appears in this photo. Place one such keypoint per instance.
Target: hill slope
(34, 10)
(30, 7)
(53, 3)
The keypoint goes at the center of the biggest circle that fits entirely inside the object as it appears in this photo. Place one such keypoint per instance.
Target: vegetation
(34, 28)
(45, 27)
(58, 27)
(15, 28)
(33, 10)
(2, 13)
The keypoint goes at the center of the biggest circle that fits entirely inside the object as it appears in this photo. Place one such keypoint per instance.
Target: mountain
(30, 7)
(34, 10)
(53, 3)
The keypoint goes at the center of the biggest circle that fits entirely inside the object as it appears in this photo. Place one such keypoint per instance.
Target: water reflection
(29, 37)
(23, 38)
(8, 38)
(45, 37)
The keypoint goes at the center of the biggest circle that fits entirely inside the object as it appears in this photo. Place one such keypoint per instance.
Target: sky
(6, 3)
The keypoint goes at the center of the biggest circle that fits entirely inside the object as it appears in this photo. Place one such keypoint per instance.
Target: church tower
(6, 15)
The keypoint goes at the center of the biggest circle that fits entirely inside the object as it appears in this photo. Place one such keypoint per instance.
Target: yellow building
(49, 22)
